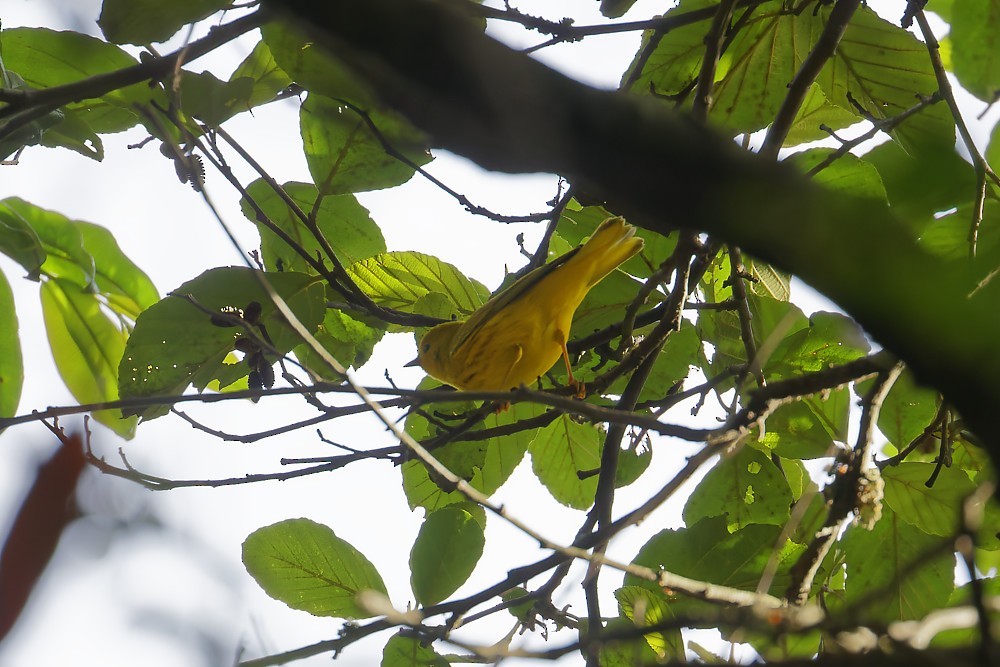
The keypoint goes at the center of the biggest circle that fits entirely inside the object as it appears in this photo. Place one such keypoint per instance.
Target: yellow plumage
(520, 333)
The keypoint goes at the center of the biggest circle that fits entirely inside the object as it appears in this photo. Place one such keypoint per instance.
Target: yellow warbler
(519, 333)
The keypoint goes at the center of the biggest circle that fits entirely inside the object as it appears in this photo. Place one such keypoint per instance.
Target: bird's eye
(426, 347)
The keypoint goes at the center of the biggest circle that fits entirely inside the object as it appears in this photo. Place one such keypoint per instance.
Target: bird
(520, 332)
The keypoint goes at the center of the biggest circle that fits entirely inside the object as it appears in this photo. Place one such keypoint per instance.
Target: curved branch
(480, 99)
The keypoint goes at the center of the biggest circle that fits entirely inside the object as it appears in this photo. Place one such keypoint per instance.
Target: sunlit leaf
(342, 222)
(19, 241)
(260, 68)
(61, 240)
(847, 174)
(746, 488)
(644, 608)
(11, 363)
(707, 551)
(348, 340)
(86, 346)
(175, 344)
(884, 68)
(902, 583)
(398, 279)
(761, 55)
(47, 58)
(485, 463)
(817, 111)
(345, 155)
(561, 451)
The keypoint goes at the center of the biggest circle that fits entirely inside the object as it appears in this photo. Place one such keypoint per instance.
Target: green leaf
(11, 363)
(303, 564)
(762, 53)
(935, 510)
(907, 410)
(707, 551)
(74, 133)
(808, 428)
(485, 464)
(768, 281)
(47, 58)
(605, 303)
(817, 111)
(623, 652)
(561, 451)
(312, 67)
(174, 343)
(746, 488)
(398, 279)
(61, 239)
(830, 339)
(348, 340)
(920, 186)
(340, 219)
(127, 288)
(948, 236)
(578, 222)
(883, 68)
(632, 462)
(907, 592)
(268, 79)
(86, 346)
(205, 97)
(673, 364)
(146, 21)
(445, 553)
(849, 174)
(974, 26)
(345, 155)
(19, 241)
(644, 608)
(676, 59)
(403, 651)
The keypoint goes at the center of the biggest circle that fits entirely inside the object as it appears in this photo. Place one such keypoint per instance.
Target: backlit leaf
(398, 279)
(345, 155)
(339, 219)
(901, 583)
(175, 344)
(746, 488)
(559, 452)
(11, 363)
(86, 346)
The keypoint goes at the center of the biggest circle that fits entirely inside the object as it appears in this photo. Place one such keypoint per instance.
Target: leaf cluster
(792, 501)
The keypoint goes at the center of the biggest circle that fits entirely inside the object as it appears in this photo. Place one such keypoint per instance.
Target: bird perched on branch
(520, 332)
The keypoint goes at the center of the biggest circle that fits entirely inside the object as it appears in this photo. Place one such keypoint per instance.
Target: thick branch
(478, 98)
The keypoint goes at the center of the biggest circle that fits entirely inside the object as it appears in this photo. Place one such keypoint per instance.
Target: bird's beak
(415, 362)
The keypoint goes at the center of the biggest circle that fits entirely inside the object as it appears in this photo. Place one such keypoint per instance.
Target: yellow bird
(520, 333)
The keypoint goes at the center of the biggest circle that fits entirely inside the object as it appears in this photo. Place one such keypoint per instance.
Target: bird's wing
(505, 298)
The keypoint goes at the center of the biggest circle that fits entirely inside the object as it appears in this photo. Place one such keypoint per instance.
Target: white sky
(119, 597)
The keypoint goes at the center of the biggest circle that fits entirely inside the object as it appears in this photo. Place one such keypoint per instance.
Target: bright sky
(155, 578)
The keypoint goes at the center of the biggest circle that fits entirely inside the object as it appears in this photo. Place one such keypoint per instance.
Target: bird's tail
(613, 242)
